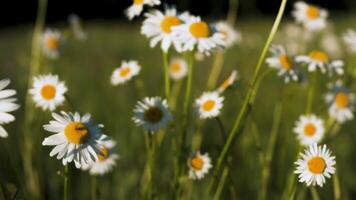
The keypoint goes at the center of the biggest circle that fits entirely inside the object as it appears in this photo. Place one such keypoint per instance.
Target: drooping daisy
(315, 164)
(228, 82)
(209, 104)
(309, 129)
(76, 25)
(158, 27)
(230, 35)
(284, 63)
(349, 38)
(197, 34)
(125, 72)
(311, 17)
(178, 68)
(52, 43)
(341, 102)
(152, 113)
(7, 104)
(48, 91)
(136, 8)
(199, 165)
(320, 59)
(106, 159)
(76, 138)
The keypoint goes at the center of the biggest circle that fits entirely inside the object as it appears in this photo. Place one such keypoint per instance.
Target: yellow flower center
(199, 30)
(317, 165)
(52, 43)
(138, 2)
(319, 56)
(175, 67)
(76, 133)
(125, 71)
(168, 22)
(153, 115)
(103, 154)
(208, 105)
(309, 129)
(285, 62)
(312, 12)
(197, 163)
(48, 92)
(341, 100)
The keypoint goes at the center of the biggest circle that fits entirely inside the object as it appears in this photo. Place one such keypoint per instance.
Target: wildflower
(52, 43)
(125, 72)
(309, 129)
(349, 38)
(230, 35)
(315, 164)
(311, 17)
(76, 25)
(209, 104)
(199, 165)
(136, 8)
(152, 113)
(48, 91)
(76, 138)
(341, 102)
(228, 82)
(178, 68)
(7, 104)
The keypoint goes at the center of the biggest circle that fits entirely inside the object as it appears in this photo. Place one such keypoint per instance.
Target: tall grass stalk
(166, 74)
(311, 93)
(93, 187)
(337, 188)
(66, 183)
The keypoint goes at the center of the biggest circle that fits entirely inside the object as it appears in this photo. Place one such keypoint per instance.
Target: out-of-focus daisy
(199, 165)
(52, 43)
(125, 72)
(76, 138)
(152, 113)
(330, 42)
(106, 159)
(209, 104)
(310, 16)
(321, 60)
(228, 82)
(196, 34)
(315, 164)
(349, 37)
(309, 129)
(178, 68)
(48, 91)
(136, 8)
(284, 63)
(341, 102)
(230, 35)
(158, 27)
(76, 25)
(7, 104)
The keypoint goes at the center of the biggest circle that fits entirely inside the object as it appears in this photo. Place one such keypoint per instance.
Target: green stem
(232, 13)
(93, 187)
(66, 181)
(314, 192)
(222, 128)
(221, 183)
(189, 84)
(166, 74)
(215, 70)
(175, 92)
(251, 92)
(337, 191)
(311, 93)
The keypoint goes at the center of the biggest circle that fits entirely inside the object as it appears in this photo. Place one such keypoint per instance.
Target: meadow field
(259, 164)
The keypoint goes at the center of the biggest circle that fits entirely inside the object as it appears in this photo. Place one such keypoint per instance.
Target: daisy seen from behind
(349, 38)
(309, 129)
(178, 68)
(52, 42)
(209, 105)
(48, 92)
(7, 104)
(228, 82)
(125, 72)
(315, 165)
(199, 165)
(137, 6)
(75, 139)
(311, 17)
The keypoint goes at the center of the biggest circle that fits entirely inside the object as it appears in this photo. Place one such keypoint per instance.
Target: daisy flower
(76, 138)
(309, 129)
(315, 164)
(341, 102)
(7, 104)
(349, 38)
(199, 165)
(106, 159)
(125, 72)
(76, 25)
(311, 17)
(158, 27)
(230, 35)
(320, 59)
(48, 91)
(209, 104)
(228, 82)
(136, 8)
(178, 68)
(284, 63)
(152, 113)
(52, 43)
(196, 34)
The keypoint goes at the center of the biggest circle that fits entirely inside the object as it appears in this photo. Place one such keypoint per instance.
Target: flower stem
(336, 181)
(215, 70)
(221, 183)
(311, 93)
(166, 74)
(93, 187)
(314, 192)
(189, 84)
(66, 180)
(232, 13)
